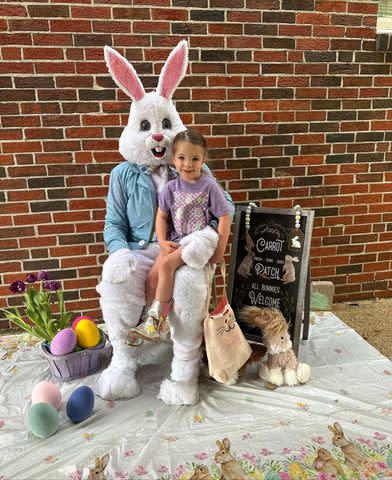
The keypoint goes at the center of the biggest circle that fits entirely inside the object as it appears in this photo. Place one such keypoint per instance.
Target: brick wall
(292, 93)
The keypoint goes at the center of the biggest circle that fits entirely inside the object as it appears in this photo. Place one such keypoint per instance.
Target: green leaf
(38, 332)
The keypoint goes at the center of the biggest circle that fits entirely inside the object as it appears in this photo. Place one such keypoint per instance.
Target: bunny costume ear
(124, 74)
(173, 71)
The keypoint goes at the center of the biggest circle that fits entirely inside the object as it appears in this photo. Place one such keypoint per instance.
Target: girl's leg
(152, 280)
(166, 270)
(155, 324)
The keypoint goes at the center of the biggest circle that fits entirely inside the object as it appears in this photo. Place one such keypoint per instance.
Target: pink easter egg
(63, 342)
(81, 317)
(46, 392)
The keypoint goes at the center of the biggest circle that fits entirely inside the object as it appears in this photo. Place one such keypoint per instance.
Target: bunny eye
(166, 123)
(145, 125)
(282, 338)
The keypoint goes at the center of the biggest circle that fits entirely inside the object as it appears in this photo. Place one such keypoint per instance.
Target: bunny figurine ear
(124, 74)
(173, 71)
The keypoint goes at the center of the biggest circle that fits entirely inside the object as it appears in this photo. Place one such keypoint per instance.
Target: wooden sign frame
(302, 283)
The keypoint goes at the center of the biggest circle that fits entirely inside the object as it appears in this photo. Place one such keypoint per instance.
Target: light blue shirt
(131, 207)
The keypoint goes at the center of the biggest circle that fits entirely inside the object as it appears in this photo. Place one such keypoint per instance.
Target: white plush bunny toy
(145, 144)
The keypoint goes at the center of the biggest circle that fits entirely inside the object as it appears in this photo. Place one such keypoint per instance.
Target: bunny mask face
(153, 120)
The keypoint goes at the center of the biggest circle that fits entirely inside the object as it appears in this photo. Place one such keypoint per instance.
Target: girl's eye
(145, 126)
(166, 123)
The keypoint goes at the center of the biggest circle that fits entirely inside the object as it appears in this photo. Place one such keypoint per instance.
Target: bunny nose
(157, 136)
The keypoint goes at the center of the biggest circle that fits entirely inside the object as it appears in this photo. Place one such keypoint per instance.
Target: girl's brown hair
(192, 136)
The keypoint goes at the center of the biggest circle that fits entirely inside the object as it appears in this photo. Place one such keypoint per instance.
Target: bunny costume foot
(176, 393)
(146, 145)
(122, 300)
(186, 327)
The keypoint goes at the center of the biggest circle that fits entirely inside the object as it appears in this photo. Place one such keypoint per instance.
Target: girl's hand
(217, 258)
(168, 246)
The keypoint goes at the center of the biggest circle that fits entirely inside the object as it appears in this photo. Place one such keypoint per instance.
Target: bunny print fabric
(339, 421)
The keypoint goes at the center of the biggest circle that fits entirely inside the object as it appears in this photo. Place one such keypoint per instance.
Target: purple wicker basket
(79, 364)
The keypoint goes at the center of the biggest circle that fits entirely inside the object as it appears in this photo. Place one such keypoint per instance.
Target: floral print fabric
(273, 435)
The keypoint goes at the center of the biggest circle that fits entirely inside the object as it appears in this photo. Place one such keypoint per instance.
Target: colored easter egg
(80, 404)
(81, 317)
(43, 420)
(46, 392)
(87, 334)
(63, 342)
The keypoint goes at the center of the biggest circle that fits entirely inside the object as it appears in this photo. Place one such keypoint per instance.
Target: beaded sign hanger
(249, 242)
(296, 236)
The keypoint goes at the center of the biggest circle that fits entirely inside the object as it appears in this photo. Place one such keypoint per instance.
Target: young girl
(188, 203)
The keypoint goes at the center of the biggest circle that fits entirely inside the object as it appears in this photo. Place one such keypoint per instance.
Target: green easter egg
(43, 420)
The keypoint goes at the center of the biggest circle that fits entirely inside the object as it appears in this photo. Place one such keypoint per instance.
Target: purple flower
(31, 278)
(43, 275)
(17, 287)
(52, 285)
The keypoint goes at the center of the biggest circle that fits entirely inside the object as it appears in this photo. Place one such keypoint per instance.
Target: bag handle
(210, 276)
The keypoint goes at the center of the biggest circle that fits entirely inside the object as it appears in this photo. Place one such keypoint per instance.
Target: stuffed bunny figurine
(282, 366)
(134, 185)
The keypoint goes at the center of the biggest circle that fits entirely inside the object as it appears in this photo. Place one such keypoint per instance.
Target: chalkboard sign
(269, 267)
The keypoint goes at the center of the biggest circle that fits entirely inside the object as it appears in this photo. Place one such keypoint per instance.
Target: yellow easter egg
(87, 334)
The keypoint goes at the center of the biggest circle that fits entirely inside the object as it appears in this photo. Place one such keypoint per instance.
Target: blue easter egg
(80, 404)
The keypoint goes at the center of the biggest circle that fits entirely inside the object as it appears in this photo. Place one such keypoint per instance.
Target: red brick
(270, 56)
(175, 14)
(312, 44)
(94, 12)
(151, 27)
(328, 31)
(313, 18)
(359, 32)
(362, 7)
(331, 6)
(70, 25)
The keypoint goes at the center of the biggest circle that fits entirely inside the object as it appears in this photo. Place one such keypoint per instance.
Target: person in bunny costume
(129, 235)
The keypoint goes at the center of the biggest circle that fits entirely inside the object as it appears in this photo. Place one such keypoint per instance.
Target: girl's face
(188, 160)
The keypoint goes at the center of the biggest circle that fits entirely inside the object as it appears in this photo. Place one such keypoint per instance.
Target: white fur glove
(198, 247)
(118, 266)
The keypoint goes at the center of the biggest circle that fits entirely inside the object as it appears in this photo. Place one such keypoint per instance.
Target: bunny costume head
(128, 233)
(153, 120)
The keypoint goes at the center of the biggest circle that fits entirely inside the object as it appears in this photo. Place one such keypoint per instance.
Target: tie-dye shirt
(192, 206)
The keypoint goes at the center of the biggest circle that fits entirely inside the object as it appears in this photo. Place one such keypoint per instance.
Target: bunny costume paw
(175, 393)
(198, 247)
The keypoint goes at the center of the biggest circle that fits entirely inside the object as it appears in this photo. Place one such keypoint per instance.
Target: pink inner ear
(172, 73)
(126, 77)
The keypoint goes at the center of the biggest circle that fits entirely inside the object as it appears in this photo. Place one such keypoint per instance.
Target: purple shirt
(192, 206)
